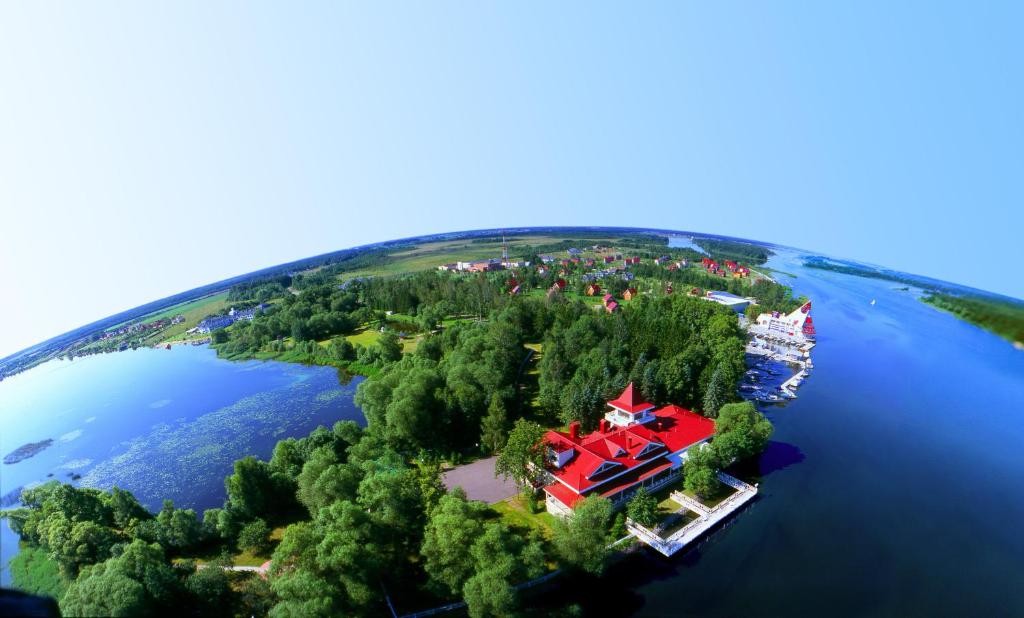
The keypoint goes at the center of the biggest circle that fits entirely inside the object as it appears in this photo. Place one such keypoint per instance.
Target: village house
(212, 323)
(593, 289)
(480, 266)
(629, 294)
(611, 306)
(607, 299)
(635, 446)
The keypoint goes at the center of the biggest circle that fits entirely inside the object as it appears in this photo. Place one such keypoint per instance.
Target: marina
(777, 345)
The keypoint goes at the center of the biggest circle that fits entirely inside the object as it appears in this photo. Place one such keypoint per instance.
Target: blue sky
(146, 148)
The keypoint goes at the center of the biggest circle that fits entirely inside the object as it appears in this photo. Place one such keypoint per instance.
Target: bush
(643, 508)
(702, 481)
(255, 535)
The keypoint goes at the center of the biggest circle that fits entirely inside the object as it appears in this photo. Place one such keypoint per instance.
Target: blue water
(685, 242)
(161, 423)
(892, 486)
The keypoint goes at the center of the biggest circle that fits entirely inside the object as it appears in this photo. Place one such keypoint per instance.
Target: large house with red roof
(635, 446)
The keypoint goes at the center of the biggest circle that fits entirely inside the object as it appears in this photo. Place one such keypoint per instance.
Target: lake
(892, 486)
(161, 423)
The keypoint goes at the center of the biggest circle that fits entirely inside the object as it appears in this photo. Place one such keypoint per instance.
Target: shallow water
(161, 423)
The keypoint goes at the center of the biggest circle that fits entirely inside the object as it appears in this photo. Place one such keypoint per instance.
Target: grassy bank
(1002, 317)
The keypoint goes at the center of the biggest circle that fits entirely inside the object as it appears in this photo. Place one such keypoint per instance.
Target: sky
(148, 148)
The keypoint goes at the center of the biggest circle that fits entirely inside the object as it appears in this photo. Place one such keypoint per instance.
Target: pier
(707, 517)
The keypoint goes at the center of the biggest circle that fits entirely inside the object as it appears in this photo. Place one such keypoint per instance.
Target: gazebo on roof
(629, 408)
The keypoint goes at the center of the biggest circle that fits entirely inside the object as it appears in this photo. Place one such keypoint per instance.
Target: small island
(28, 450)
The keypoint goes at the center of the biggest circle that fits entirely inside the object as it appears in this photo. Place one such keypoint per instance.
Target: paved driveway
(478, 480)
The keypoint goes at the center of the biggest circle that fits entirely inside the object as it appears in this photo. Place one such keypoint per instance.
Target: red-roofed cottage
(635, 446)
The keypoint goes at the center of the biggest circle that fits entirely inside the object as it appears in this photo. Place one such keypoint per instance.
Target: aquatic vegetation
(174, 461)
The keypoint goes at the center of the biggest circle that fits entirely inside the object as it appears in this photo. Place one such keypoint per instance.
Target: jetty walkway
(707, 517)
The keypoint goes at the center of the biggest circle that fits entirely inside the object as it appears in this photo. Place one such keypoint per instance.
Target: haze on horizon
(150, 149)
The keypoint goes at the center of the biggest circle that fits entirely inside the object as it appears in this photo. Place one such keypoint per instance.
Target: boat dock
(795, 380)
(707, 517)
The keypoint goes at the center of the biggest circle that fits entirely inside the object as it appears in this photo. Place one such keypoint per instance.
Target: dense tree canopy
(582, 538)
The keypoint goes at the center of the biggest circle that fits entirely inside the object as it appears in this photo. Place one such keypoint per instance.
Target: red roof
(609, 461)
(630, 401)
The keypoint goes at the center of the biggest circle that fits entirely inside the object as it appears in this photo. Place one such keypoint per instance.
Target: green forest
(356, 519)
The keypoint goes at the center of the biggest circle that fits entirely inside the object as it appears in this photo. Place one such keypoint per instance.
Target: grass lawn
(516, 515)
(364, 336)
(247, 557)
(409, 344)
(667, 506)
(672, 523)
(721, 493)
(529, 390)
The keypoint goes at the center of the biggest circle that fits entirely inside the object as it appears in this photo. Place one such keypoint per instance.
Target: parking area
(479, 482)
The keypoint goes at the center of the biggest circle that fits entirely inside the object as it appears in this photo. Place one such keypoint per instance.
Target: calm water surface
(161, 423)
(893, 485)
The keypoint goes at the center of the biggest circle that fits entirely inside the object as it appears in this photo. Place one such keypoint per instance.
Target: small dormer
(652, 447)
(604, 467)
(559, 455)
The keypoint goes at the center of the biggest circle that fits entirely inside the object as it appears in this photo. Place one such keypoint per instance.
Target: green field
(430, 255)
(193, 312)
